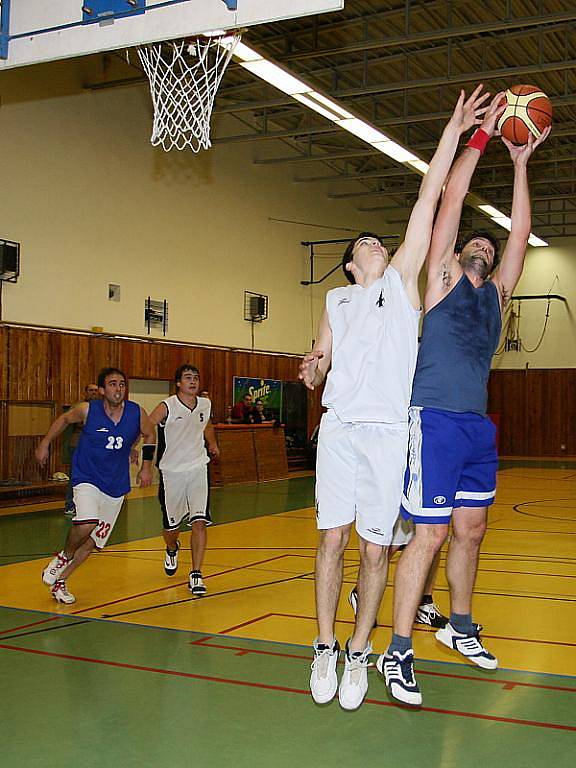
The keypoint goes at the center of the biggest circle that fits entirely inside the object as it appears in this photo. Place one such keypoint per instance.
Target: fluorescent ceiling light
(362, 130)
(420, 165)
(334, 106)
(331, 110)
(491, 211)
(537, 242)
(308, 101)
(242, 51)
(503, 221)
(276, 76)
(395, 151)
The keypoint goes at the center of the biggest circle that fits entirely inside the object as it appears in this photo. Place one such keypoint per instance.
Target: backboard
(33, 31)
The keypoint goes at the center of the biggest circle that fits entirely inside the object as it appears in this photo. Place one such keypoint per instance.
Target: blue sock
(400, 643)
(462, 622)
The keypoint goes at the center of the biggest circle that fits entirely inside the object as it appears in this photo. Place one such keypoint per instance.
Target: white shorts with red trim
(94, 506)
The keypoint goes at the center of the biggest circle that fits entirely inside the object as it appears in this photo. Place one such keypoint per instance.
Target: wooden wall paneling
(506, 397)
(569, 411)
(30, 374)
(3, 362)
(536, 417)
(548, 412)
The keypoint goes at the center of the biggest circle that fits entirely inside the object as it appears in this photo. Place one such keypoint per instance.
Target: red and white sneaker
(60, 593)
(51, 573)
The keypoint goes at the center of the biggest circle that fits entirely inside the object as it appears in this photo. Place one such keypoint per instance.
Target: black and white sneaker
(195, 584)
(398, 671)
(429, 614)
(353, 600)
(171, 560)
(470, 646)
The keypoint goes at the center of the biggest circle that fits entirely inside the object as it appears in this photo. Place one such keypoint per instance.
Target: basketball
(528, 111)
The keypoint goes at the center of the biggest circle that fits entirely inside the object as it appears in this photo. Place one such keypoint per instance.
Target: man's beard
(475, 264)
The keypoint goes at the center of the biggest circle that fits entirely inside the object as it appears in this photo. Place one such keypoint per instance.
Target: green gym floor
(139, 673)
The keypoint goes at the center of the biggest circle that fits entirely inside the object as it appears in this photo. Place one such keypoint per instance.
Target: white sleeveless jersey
(374, 348)
(184, 434)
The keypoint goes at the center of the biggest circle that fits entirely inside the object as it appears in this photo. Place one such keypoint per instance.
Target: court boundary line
(386, 626)
(507, 685)
(155, 628)
(283, 689)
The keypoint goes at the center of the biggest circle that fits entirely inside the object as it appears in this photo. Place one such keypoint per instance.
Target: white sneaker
(60, 593)
(171, 560)
(195, 583)
(470, 646)
(324, 680)
(51, 573)
(354, 682)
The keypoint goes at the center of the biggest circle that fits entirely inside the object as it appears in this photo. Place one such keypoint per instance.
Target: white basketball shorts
(94, 506)
(184, 495)
(359, 477)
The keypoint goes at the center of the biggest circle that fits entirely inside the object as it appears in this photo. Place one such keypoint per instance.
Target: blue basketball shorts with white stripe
(452, 463)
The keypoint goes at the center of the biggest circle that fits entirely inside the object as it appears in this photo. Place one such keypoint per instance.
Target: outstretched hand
(469, 112)
(521, 154)
(309, 367)
(493, 113)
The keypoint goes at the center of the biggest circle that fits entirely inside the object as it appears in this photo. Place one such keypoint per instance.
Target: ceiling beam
(470, 30)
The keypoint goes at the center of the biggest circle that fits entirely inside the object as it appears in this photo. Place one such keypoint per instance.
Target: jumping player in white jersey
(184, 431)
(100, 472)
(369, 335)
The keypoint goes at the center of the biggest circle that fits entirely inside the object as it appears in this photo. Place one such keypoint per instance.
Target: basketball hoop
(184, 77)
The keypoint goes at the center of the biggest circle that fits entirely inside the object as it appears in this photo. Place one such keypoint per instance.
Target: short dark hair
(349, 253)
(105, 372)
(182, 370)
(485, 236)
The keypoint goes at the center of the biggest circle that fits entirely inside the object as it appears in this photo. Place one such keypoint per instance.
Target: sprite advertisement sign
(267, 390)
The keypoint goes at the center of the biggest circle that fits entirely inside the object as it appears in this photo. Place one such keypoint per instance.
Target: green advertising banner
(267, 390)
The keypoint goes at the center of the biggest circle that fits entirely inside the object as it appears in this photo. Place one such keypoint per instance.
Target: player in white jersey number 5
(368, 335)
(184, 430)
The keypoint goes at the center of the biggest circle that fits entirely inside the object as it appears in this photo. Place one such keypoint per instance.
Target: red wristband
(479, 140)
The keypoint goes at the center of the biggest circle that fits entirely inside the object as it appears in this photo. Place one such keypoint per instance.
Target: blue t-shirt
(459, 337)
(102, 457)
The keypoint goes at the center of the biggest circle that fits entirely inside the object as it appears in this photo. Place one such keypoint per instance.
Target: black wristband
(148, 452)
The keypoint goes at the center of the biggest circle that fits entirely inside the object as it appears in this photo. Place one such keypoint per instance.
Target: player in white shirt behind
(184, 431)
(368, 336)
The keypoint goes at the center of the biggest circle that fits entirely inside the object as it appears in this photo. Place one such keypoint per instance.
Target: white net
(184, 77)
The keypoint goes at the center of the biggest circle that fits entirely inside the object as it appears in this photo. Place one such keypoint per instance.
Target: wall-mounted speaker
(9, 261)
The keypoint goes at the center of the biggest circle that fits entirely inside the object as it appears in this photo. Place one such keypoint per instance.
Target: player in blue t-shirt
(100, 471)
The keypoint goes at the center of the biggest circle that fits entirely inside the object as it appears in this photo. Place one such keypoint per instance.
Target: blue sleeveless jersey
(459, 337)
(102, 457)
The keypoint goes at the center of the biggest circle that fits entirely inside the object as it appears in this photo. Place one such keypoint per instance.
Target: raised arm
(508, 272)
(409, 257)
(315, 364)
(76, 415)
(441, 264)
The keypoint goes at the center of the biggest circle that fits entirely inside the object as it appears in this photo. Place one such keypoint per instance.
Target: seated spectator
(259, 416)
(242, 411)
